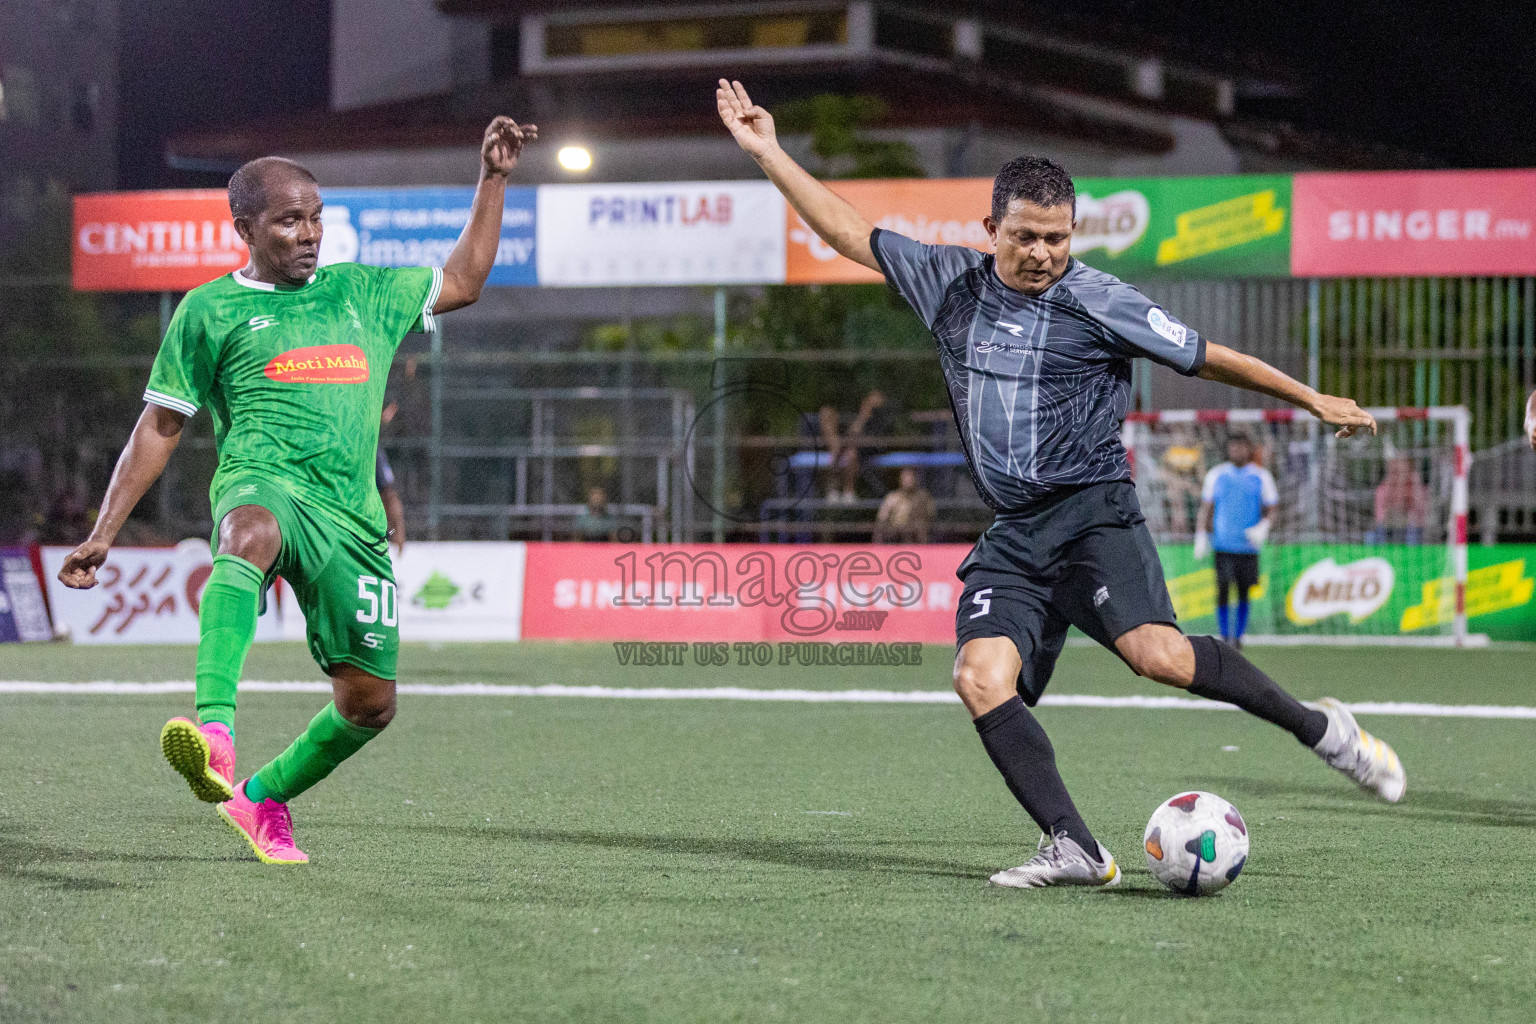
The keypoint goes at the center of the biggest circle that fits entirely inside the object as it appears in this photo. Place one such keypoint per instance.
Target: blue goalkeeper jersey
(1239, 497)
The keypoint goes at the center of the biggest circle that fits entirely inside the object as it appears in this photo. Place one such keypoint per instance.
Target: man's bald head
(252, 184)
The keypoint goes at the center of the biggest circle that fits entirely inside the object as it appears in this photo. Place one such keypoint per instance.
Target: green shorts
(344, 582)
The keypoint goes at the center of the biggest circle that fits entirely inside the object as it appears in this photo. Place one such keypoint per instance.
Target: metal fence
(492, 440)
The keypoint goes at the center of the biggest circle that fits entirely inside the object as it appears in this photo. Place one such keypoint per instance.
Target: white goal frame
(1460, 418)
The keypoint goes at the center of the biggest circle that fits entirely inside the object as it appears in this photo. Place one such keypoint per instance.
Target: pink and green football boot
(266, 826)
(204, 755)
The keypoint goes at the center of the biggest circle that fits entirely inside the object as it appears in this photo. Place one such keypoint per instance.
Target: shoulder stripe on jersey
(428, 321)
(170, 402)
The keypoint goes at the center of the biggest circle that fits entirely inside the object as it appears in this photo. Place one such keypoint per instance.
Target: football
(1196, 844)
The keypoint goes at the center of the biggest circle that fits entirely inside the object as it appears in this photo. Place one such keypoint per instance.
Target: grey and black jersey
(1039, 383)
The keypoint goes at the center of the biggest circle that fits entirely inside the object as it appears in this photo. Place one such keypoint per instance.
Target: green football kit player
(291, 360)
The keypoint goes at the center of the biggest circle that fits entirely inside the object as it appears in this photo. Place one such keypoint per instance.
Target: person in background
(384, 479)
(594, 523)
(1183, 465)
(843, 447)
(906, 514)
(1236, 511)
(1402, 505)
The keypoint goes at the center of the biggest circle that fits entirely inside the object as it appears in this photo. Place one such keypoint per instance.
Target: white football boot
(1358, 754)
(1061, 861)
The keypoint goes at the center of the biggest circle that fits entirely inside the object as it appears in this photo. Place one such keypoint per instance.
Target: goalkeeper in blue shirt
(1237, 506)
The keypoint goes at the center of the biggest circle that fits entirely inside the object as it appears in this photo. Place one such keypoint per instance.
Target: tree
(837, 126)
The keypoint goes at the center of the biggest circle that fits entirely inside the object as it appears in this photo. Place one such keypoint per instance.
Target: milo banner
(1230, 226)
(1374, 590)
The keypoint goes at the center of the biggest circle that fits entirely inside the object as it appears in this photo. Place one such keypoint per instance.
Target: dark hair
(1034, 179)
(248, 185)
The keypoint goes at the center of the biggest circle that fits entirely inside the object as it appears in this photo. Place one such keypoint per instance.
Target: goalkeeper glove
(1258, 533)
(1202, 545)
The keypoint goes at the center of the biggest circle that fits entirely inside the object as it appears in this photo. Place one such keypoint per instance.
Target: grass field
(584, 860)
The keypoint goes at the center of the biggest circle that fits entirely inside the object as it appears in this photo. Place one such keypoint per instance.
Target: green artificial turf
(583, 860)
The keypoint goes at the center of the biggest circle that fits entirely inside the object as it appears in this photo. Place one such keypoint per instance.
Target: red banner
(153, 241)
(742, 592)
(1410, 223)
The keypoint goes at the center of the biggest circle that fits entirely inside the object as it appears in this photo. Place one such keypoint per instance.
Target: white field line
(1056, 700)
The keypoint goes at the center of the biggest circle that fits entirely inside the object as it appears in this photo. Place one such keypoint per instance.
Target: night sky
(190, 66)
(1450, 79)
(1453, 81)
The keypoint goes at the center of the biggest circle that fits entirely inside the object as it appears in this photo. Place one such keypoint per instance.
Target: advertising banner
(146, 596)
(1376, 590)
(937, 212)
(460, 591)
(23, 613)
(153, 241)
(1228, 226)
(667, 233)
(742, 592)
(1135, 228)
(1398, 223)
(417, 227)
(1409, 223)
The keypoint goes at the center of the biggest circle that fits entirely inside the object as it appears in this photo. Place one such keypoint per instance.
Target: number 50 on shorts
(377, 601)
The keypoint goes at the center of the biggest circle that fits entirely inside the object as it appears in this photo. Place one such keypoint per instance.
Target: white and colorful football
(1196, 844)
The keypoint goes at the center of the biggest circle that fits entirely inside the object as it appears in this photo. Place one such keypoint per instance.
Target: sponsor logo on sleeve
(320, 364)
(1168, 327)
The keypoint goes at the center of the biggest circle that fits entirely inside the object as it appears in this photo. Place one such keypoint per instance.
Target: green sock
(329, 740)
(227, 625)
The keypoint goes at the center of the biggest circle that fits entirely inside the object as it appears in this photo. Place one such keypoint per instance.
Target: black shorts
(1236, 567)
(1082, 557)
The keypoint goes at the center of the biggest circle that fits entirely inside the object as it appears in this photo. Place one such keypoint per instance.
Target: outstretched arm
(149, 448)
(828, 214)
(1229, 366)
(473, 255)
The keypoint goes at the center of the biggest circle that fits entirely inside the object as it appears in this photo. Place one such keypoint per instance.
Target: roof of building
(920, 91)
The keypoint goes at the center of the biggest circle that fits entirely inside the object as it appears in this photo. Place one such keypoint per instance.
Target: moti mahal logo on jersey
(320, 364)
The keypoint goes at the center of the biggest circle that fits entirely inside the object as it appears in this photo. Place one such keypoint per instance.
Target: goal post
(1368, 542)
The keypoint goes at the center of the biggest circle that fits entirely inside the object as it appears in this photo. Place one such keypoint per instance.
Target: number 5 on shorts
(382, 605)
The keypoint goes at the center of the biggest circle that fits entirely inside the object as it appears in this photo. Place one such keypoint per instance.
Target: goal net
(1368, 543)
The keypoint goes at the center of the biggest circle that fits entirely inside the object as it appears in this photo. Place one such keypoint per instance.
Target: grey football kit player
(1036, 352)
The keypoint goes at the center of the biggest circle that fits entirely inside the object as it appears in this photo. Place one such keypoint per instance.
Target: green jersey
(294, 378)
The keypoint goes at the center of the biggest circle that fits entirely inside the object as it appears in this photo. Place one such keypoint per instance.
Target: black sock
(1221, 673)
(1023, 753)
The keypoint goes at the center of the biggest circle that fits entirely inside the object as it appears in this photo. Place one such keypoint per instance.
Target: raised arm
(473, 255)
(828, 214)
(1229, 366)
(149, 448)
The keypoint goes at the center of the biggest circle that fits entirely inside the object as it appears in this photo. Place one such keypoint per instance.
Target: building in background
(966, 87)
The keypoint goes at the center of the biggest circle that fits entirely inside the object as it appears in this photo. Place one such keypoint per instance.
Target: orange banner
(945, 211)
(169, 241)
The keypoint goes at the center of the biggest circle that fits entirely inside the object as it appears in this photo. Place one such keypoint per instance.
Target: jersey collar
(267, 286)
(997, 282)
